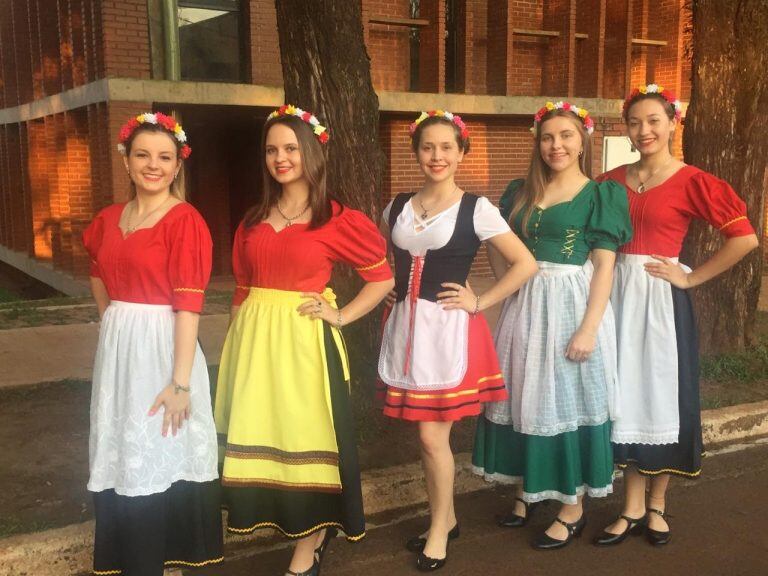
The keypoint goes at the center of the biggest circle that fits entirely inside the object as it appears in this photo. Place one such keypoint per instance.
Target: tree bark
(725, 129)
(326, 69)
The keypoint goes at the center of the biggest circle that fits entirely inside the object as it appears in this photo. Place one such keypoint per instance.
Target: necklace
(289, 220)
(425, 211)
(131, 228)
(642, 187)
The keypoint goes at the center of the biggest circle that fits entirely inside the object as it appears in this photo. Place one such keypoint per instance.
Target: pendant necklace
(642, 187)
(425, 211)
(130, 229)
(289, 220)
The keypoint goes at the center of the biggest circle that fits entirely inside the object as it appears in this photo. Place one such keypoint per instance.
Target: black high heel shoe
(330, 534)
(513, 520)
(656, 537)
(635, 527)
(417, 543)
(546, 542)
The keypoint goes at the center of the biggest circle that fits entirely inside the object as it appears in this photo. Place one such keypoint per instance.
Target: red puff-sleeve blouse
(661, 215)
(300, 259)
(169, 263)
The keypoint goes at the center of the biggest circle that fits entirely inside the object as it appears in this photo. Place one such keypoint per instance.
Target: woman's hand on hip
(458, 297)
(668, 270)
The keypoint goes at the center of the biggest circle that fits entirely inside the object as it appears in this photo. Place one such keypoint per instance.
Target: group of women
(594, 360)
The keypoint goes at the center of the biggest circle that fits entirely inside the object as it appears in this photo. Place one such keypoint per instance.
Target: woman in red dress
(153, 455)
(657, 432)
(282, 401)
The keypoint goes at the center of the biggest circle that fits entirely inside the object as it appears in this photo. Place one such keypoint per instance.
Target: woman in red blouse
(657, 431)
(153, 454)
(282, 401)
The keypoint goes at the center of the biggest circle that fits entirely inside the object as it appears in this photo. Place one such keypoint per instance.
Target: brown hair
(539, 173)
(431, 121)
(177, 188)
(313, 162)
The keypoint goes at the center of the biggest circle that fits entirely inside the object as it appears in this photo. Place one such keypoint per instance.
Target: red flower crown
(668, 95)
(158, 119)
(290, 110)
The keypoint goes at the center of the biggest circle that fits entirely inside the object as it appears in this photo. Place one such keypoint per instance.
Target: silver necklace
(130, 229)
(425, 211)
(642, 187)
(289, 220)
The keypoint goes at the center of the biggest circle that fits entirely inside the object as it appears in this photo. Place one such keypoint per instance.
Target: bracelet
(338, 319)
(477, 306)
(179, 388)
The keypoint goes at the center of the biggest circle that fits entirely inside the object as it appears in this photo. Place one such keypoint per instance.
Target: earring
(580, 153)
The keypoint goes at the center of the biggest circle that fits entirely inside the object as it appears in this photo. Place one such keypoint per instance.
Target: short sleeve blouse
(301, 259)
(169, 263)
(596, 218)
(662, 214)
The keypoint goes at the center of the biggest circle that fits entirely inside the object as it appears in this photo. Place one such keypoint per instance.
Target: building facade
(72, 71)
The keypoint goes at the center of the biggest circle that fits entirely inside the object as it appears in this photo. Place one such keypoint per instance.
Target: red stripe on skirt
(482, 382)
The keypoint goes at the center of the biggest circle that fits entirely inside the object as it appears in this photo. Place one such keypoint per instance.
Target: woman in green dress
(555, 337)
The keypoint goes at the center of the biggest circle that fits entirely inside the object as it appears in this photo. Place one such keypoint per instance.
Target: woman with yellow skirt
(282, 402)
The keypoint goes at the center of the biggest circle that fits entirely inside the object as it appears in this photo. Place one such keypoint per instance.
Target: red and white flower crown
(290, 110)
(668, 95)
(455, 118)
(159, 119)
(581, 113)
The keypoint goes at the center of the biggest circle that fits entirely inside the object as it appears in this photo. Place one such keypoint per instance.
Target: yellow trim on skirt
(273, 398)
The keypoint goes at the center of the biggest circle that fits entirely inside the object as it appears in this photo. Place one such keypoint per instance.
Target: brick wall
(125, 38)
(263, 60)
(388, 46)
(590, 51)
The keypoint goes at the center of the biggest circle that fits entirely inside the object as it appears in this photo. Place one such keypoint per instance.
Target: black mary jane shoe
(635, 527)
(654, 536)
(546, 542)
(417, 543)
(513, 520)
(314, 571)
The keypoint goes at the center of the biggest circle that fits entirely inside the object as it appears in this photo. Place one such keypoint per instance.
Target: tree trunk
(326, 69)
(725, 129)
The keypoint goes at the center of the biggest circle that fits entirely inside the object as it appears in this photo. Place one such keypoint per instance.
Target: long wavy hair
(539, 173)
(177, 188)
(313, 163)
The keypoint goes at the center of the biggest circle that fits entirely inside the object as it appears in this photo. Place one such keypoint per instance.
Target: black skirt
(684, 457)
(143, 535)
(299, 513)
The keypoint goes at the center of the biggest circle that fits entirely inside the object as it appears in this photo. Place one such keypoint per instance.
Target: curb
(68, 550)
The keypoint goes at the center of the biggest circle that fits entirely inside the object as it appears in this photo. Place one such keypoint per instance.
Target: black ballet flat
(656, 537)
(426, 564)
(635, 527)
(417, 543)
(513, 520)
(546, 542)
(330, 534)
(314, 571)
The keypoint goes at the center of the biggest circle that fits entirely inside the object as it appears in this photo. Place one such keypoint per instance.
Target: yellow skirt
(273, 397)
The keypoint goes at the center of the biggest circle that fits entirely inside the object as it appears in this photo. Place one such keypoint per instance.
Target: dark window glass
(209, 38)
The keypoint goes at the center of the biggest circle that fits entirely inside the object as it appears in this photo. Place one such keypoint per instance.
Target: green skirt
(560, 467)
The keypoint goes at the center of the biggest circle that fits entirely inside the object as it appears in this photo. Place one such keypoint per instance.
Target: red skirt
(483, 382)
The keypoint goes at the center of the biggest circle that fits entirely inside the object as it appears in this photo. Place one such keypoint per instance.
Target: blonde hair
(539, 173)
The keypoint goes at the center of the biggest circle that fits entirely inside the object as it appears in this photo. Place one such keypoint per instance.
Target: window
(209, 40)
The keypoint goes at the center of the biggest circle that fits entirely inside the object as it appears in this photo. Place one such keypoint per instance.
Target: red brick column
(432, 49)
(590, 52)
(618, 48)
(125, 38)
(499, 47)
(559, 66)
(669, 25)
(389, 47)
(261, 37)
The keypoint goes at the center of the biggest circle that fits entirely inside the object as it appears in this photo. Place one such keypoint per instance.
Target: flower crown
(586, 119)
(668, 95)
(158, 119)
(290, 110)
(455, 118)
